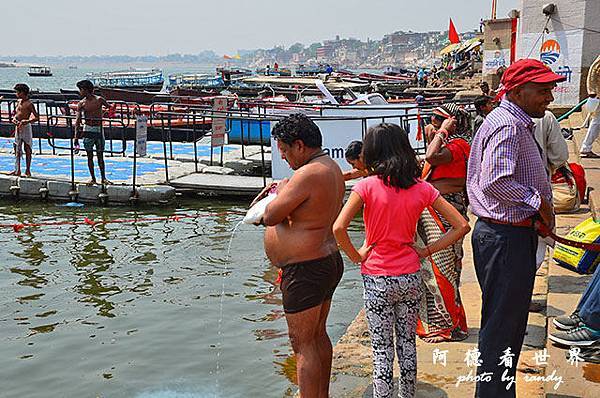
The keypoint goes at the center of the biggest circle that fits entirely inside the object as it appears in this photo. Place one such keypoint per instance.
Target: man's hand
(263, 193)
(547, 213)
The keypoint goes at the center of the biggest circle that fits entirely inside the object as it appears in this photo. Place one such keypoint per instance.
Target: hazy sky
(138, 27)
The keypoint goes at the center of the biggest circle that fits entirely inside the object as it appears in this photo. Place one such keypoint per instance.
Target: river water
(65, 78)
(132, 309)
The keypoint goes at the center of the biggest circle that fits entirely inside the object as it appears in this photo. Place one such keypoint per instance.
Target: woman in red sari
(442, 315)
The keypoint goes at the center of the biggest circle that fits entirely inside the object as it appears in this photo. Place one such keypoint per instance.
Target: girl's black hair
(388, 154)
(353, 150)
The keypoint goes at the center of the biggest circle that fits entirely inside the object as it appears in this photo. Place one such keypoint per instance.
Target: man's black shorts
(309, 283)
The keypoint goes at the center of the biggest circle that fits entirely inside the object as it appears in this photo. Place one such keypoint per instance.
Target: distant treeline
(203, 57)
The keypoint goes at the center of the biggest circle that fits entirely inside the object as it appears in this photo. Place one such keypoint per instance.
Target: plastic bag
(256, 212)
(579, 260)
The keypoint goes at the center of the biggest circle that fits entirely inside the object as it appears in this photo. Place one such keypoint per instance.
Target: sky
(155, 27)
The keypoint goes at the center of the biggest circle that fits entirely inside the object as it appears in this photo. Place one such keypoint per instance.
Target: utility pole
(494, 2)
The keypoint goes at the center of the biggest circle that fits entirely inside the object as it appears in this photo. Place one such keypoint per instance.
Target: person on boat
(442, 315)
(483, 106)
(392, 199)
(354, 156)
(25, 115)
(420, 98)
(421, 77)
(90, 110)
(299, 240)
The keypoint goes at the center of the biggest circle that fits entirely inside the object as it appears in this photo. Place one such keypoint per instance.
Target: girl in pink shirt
(393, 198)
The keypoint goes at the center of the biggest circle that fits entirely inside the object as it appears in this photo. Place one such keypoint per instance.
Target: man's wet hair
(480, 102)
(298, 127)
(22, 88)
(85, 85)
(388, 153)
(353, 150)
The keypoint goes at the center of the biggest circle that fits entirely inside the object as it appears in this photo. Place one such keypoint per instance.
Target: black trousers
(504, 259)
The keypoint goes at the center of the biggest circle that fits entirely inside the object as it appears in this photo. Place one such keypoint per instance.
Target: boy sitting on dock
(25, 114)
(90, 108)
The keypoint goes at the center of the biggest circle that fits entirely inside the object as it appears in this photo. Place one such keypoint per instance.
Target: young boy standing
(25, 114)
(90, 108)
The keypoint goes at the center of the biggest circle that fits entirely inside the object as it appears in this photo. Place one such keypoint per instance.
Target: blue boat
(135, 79)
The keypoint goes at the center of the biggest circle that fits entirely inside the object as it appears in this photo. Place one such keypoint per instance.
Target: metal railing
(189, 123)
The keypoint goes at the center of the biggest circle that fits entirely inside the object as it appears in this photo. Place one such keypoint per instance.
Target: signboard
(337, 134)
(494, 59)
(219, 124)
(141, 135)
(561, 51)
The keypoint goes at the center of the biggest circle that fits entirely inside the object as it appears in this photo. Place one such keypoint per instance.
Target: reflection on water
(122, 310)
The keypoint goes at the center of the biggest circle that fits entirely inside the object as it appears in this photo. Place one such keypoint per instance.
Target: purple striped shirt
(506, 177)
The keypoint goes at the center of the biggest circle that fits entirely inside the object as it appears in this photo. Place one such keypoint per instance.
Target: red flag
(452, 34)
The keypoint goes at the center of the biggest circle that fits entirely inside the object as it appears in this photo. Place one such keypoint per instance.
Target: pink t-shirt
(391, 217)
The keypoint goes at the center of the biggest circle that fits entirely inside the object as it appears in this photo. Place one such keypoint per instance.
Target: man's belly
(285, 245)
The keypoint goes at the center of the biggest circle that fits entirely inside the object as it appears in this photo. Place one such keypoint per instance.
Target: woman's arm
(460, 227)
(340, 229)
(437, 153)
(354, 173)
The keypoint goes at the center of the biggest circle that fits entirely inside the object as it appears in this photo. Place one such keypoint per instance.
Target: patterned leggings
(392, 302)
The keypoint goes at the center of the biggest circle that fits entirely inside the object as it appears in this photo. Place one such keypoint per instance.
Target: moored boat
(39, 71)
(135, 79)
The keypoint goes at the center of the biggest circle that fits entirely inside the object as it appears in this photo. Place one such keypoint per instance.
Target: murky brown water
(131, 310)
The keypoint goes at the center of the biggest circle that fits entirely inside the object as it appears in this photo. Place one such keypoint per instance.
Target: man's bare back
(307, 232)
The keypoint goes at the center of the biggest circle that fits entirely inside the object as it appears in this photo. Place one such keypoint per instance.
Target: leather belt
(528, 222)
(544, 231)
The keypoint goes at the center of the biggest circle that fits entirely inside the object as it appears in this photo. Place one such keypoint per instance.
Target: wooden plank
(220, 184)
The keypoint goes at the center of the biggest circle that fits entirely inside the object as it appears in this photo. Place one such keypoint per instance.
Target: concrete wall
(496, 48)
(578, 48)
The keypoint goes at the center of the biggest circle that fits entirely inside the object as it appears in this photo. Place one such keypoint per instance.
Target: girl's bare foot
(434, 339)
(28, 174)
(106, 182)
(15, 173)
(91, 182)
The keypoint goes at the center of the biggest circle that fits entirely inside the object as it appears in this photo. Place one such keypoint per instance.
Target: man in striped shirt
(507, 186)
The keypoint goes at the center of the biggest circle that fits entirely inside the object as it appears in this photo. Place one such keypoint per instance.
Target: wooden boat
(139, 97)
(39, 71)
(135, 79)
(192, 92)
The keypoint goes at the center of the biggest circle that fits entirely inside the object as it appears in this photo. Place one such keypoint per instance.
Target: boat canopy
(448, 49)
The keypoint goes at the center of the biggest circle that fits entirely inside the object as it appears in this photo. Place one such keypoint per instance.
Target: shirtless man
(90, 108)
(25, 115)
(299, 239)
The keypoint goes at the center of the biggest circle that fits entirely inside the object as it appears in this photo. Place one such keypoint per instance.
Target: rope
(573, 110)
(17, 227)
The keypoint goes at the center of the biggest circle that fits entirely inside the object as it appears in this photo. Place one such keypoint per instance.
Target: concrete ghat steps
(34, 188)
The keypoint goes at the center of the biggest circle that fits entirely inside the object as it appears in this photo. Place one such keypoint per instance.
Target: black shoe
(567, 322)
(580, 336)
(591, 354)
